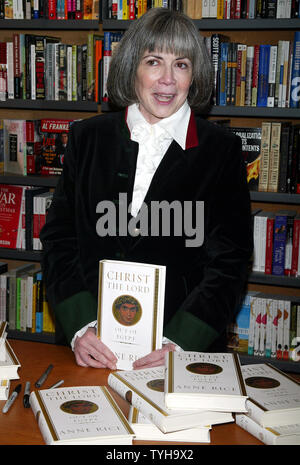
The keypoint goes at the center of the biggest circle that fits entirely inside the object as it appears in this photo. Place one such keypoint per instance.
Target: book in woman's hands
(144, 389)
(199, 380)
(274, 397)
(130, 309)
(80, 415)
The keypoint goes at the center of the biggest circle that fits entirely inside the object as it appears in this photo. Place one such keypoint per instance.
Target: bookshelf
(69, 31)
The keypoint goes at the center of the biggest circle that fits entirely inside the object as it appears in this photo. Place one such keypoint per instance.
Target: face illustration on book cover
(204, 368)
(127, 310)
(262, 382)
(156, 385)
(79, 407)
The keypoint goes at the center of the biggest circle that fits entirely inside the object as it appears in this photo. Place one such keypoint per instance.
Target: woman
(155, 149)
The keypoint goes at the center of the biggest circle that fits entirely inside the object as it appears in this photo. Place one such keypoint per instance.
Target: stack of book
(9, 364)
(273, 405)
(266, 325)
(86, 10)
(182, 401)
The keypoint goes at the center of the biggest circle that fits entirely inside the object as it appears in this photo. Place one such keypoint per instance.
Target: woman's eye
(182, 65)
(152, 62)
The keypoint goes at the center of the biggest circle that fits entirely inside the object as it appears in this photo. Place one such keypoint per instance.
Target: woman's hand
(155, 358)
(89, 351)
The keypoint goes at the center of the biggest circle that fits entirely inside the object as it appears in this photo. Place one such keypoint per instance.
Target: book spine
(279, 245)
(249, 72)
(263, 71)
(296, 247)
(223, 73)
(268, 344)
(255, 76)
(269, 245)
(136, 401)
(295, 73)
(272, 76)
(40, 418)
(265, 156)
(264, 435)
(284, 157)
(280, 316)
(253, 311)
(274, 157)
(238, 75)
(215, 57)
(243, 75)
(286, 330)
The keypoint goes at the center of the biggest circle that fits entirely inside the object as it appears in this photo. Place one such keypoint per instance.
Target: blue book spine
(39, 304)
(223, 73)
(295, 74)
(279, 241)
(263, 75)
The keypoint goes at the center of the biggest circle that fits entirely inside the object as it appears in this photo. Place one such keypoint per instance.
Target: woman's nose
(167, 75)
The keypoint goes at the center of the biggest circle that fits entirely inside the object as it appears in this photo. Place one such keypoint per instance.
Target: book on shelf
(14, 146)
(80, 415)
(274, 397)
(144, 389)
(251, 143)
(265, 156)
(11, 197)
(130, 309)
(263, 75)
(295, 73)
(204, 380)
(271, 436)
(281, 224)
(4, 389)
(9, 363)
(145, 429)
(12, 276)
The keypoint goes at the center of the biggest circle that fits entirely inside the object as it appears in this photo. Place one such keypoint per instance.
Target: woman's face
(162, 84)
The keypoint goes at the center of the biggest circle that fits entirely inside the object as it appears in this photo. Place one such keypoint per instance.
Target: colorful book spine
(263, 73)
(295, 73)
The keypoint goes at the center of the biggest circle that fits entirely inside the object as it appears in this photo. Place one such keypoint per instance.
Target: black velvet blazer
(205, 283)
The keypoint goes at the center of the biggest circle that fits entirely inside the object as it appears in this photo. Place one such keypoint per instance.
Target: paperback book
(144, 390)
(196, 380)
(80, 415)
(130, 309)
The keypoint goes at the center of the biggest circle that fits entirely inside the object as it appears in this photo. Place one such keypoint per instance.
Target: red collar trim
(192, 136)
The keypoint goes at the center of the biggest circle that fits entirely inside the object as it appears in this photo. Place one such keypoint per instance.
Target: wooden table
(18, 426)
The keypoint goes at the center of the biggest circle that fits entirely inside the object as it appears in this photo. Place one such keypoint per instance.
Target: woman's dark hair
(160, 29)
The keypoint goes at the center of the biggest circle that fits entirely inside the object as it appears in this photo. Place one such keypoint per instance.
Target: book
(287, 435)
(279, 244)
(204, 380)
(295, 73)
(54, 138)
(10, 215)
(263, 75)
(12, 286)
(274, 158)
(274, 397)
(80, 415)
(4, 389)
(272, 76)
(251, 143)
(238, 331)
(14, 146)
(144, 389)
(144, 429)
(9, 364)
(130, 309)
(265, 156)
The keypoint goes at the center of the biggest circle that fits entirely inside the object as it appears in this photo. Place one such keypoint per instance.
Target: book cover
(144, 429)
(274, 398)
(80, 415)
(144, 389)
(279, 244)
(204, 380)
(53, 134)
(130, 309)
(251, 150)
(10, 215)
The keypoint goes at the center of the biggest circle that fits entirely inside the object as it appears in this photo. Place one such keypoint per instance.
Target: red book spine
(296, 246)
(131, 9)
(52, 9)
(269, 245)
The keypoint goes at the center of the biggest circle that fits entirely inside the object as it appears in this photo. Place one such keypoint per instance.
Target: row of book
(276, 236)
(33, 147)
(39, 67)
(23, 303)
(23, 211)
(49, 9)
(267, 326)
(271, 154)
(199, 9)
(257, 75)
